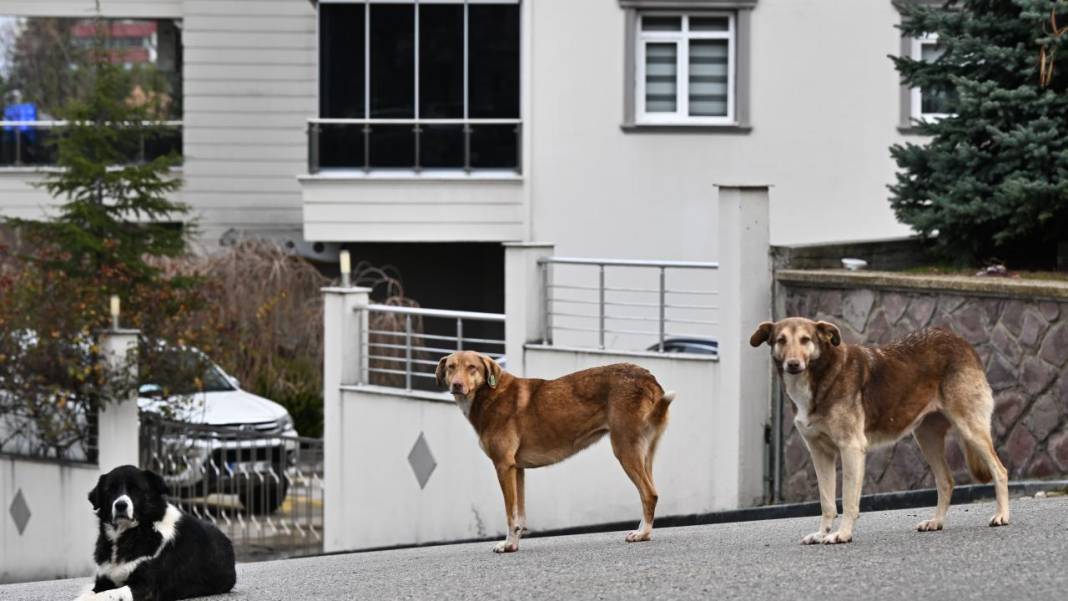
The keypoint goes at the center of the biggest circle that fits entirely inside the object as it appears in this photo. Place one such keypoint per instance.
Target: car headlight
(286, 423)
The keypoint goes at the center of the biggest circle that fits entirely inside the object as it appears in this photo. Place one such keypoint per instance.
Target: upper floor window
(43, 68)
(417, 85)
(685, 69)
(929, 103)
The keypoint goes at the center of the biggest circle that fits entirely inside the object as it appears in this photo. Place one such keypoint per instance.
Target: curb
(926, 497)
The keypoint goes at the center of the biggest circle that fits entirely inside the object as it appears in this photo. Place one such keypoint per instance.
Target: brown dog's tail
(976, 465)
(659, 413)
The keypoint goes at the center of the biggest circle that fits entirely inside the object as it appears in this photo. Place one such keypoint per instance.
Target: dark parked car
(697, 346)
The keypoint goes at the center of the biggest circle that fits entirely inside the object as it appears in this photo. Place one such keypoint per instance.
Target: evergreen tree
(116, 210)
(993, 178)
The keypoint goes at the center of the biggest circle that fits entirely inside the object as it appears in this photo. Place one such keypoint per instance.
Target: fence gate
(263, 490)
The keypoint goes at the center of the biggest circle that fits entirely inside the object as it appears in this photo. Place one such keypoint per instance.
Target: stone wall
(1018, 328)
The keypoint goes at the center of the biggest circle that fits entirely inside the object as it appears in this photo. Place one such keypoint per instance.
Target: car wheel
(264, 495)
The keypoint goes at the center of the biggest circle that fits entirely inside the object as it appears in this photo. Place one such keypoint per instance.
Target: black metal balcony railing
(415, 144)
(31, 143)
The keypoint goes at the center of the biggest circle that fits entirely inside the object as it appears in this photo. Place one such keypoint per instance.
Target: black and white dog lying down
(148, 549)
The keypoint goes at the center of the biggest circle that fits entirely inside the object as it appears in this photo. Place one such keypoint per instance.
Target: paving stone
(1034, 326)
(1041, 466)
(894, 304)
(830, 302)
(1044, 416)
(1008, 406)
(1019, 447)
(948, 303)
(921, 308)
(879, 330)
(1001, 375)
(1050, 310)
(969, 322)
(856, 307)
(1012, 316)
(1055, 345)
(1036, 375)
(1058, 450)
(1005, 345)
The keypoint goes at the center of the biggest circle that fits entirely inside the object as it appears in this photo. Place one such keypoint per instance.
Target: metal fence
(636, 308)
(404, 344)
(415, 144)
(32, 143)
(263, 490)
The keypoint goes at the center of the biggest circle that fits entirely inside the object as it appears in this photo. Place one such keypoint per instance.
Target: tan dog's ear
(762, 334)
(829, 332)
(493, 371)
(439, 374)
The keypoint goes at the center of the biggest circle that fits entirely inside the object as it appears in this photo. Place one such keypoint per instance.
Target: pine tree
(117, 211)
(993, 178)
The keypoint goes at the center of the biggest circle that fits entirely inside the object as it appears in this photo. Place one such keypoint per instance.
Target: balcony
(32, 143)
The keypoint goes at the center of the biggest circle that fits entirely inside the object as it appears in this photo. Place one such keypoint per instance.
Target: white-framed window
(927, 104)
(685, 68)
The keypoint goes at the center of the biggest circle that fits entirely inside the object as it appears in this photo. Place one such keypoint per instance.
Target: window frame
(416, 120)
(916, 93)
(682, 39)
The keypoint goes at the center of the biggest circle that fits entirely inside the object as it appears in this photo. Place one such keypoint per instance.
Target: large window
(43, 68)
(417, 85)
(685, 69)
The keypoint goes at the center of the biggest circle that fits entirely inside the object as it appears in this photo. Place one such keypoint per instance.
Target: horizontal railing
(31, 143)
(414, 144)
(629, 305)
(404, 344)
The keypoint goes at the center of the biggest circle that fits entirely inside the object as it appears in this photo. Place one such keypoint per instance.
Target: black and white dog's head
(127, 496)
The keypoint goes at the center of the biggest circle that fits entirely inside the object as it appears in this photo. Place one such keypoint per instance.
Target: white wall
(58, 540)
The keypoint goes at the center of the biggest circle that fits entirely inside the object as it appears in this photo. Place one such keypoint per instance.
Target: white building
(598, 125)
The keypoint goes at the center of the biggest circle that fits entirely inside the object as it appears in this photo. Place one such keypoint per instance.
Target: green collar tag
(492, 380)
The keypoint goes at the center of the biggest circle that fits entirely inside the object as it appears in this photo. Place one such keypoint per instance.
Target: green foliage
(993, 179)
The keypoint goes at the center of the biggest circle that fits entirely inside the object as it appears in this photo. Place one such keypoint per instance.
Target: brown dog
(525, 423)
(850, 398)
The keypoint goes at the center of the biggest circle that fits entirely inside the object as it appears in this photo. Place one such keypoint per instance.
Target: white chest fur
(119, 572)
(799, 389)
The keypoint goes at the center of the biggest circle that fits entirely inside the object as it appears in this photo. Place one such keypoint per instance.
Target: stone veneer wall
(1019, 329)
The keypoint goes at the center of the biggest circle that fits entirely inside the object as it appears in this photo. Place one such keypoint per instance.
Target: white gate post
(118, 425)
(745, 298)
(524, 300)
(344, 362)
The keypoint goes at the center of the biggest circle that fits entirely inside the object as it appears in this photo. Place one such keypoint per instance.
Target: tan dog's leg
(823, 458)
(631, 451)
(521, 498)
(506, 474)
(977, 438)
(852, 481)
(931, 436)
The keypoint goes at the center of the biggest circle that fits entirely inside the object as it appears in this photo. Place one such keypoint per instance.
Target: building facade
(441, 128)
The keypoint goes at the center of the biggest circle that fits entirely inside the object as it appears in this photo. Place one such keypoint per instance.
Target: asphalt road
(763, 560)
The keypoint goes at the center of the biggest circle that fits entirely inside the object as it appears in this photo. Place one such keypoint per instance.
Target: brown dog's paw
(813, 539)
(638, 536)
(506, 547)
(999, 520)
(929, 526)
(836, 538)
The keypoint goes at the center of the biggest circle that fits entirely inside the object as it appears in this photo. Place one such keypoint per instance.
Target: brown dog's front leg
(507, 476)
(521, 499)
(853, 457)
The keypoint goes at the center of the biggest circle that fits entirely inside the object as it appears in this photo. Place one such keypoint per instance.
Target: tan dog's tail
(976, 464)
(659, 413)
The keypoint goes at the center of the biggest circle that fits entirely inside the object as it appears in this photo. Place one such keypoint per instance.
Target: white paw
(637, 536)
(929, 525)
(839, 537)
(813, 539)
(1001, 519)
(506, 546)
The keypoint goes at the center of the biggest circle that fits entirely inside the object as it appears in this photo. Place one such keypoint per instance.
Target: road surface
(748, 560)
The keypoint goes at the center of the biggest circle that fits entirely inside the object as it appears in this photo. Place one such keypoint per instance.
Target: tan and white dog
(526, 423)
(850, 398)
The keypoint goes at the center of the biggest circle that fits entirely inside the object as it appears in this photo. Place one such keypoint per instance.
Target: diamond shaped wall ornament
(20, 512)
(422, 461)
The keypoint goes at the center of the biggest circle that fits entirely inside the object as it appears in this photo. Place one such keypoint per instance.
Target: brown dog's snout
(794, 366)
(457, 387)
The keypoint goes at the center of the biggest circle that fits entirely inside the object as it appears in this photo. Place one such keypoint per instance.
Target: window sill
(31, 169)
(432, 175)
(685, 128)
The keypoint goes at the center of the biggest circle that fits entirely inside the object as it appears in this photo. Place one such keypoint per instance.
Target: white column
(118, 425)
(745, 301)
(524, 299)
(344, 329)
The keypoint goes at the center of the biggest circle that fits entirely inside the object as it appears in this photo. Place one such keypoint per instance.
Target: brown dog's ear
(762, 334)
(439, 374)
(493, 371)
(830, 332)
